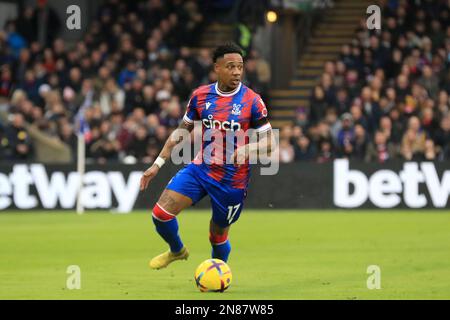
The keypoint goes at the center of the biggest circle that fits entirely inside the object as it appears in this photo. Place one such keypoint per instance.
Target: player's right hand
(148, 175)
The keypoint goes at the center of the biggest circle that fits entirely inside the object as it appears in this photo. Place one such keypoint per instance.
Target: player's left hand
(148, 175)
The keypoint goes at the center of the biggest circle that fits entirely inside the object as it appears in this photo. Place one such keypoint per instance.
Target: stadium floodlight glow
(271, 16)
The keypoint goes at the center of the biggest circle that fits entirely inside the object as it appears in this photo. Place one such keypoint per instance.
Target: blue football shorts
(226, 201)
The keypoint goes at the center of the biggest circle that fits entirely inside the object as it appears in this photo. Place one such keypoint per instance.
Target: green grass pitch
(275, 255)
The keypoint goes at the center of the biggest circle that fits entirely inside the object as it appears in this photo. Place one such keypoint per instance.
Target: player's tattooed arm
(263, 146)
(176, 137)
(266, 143)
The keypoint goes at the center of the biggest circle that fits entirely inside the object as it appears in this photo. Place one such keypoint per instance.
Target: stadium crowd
(132, 74)
(386, 96)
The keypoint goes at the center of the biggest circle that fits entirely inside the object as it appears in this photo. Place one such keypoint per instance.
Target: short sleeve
(259, 114)
(191, 111)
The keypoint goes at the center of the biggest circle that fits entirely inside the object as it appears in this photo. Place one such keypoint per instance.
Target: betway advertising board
(31, 186)
(340, 184)
(415, 185)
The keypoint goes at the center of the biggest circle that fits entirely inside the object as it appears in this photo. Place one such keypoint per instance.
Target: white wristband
(159, 162)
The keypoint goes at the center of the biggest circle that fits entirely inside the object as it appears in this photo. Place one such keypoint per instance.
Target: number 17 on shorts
(232, 210)
(228, 206)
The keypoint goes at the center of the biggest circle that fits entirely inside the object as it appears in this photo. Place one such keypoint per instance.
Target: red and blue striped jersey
(233, 112)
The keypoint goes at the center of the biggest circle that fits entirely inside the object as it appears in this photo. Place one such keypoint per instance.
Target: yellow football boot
(164, 259)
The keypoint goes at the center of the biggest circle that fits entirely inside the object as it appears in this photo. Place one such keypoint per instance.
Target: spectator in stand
(428, 121)
(301, 119)
(371, 109)
(413, 141)
(358, 116)
(318, 105)
(6, 82)
(328, 87)
(15, 41)
(359, 146)
(26, 24)
(47, 23)
(342, 101)
(339, 76)
(442, 137)
(429, 81)
(304, 150)
(380, 149)
(388, 101)
(286, 150)
(346, 135)
(251, 75)
(326, 153)
(4, 144)
(18, 139)
(330, 126)
(139, 143)
(68, 136)
(443, 103)
(353, 83)
(263, 71)
(106, 146)
(133, 96)
(112, 98)
(430, 153)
